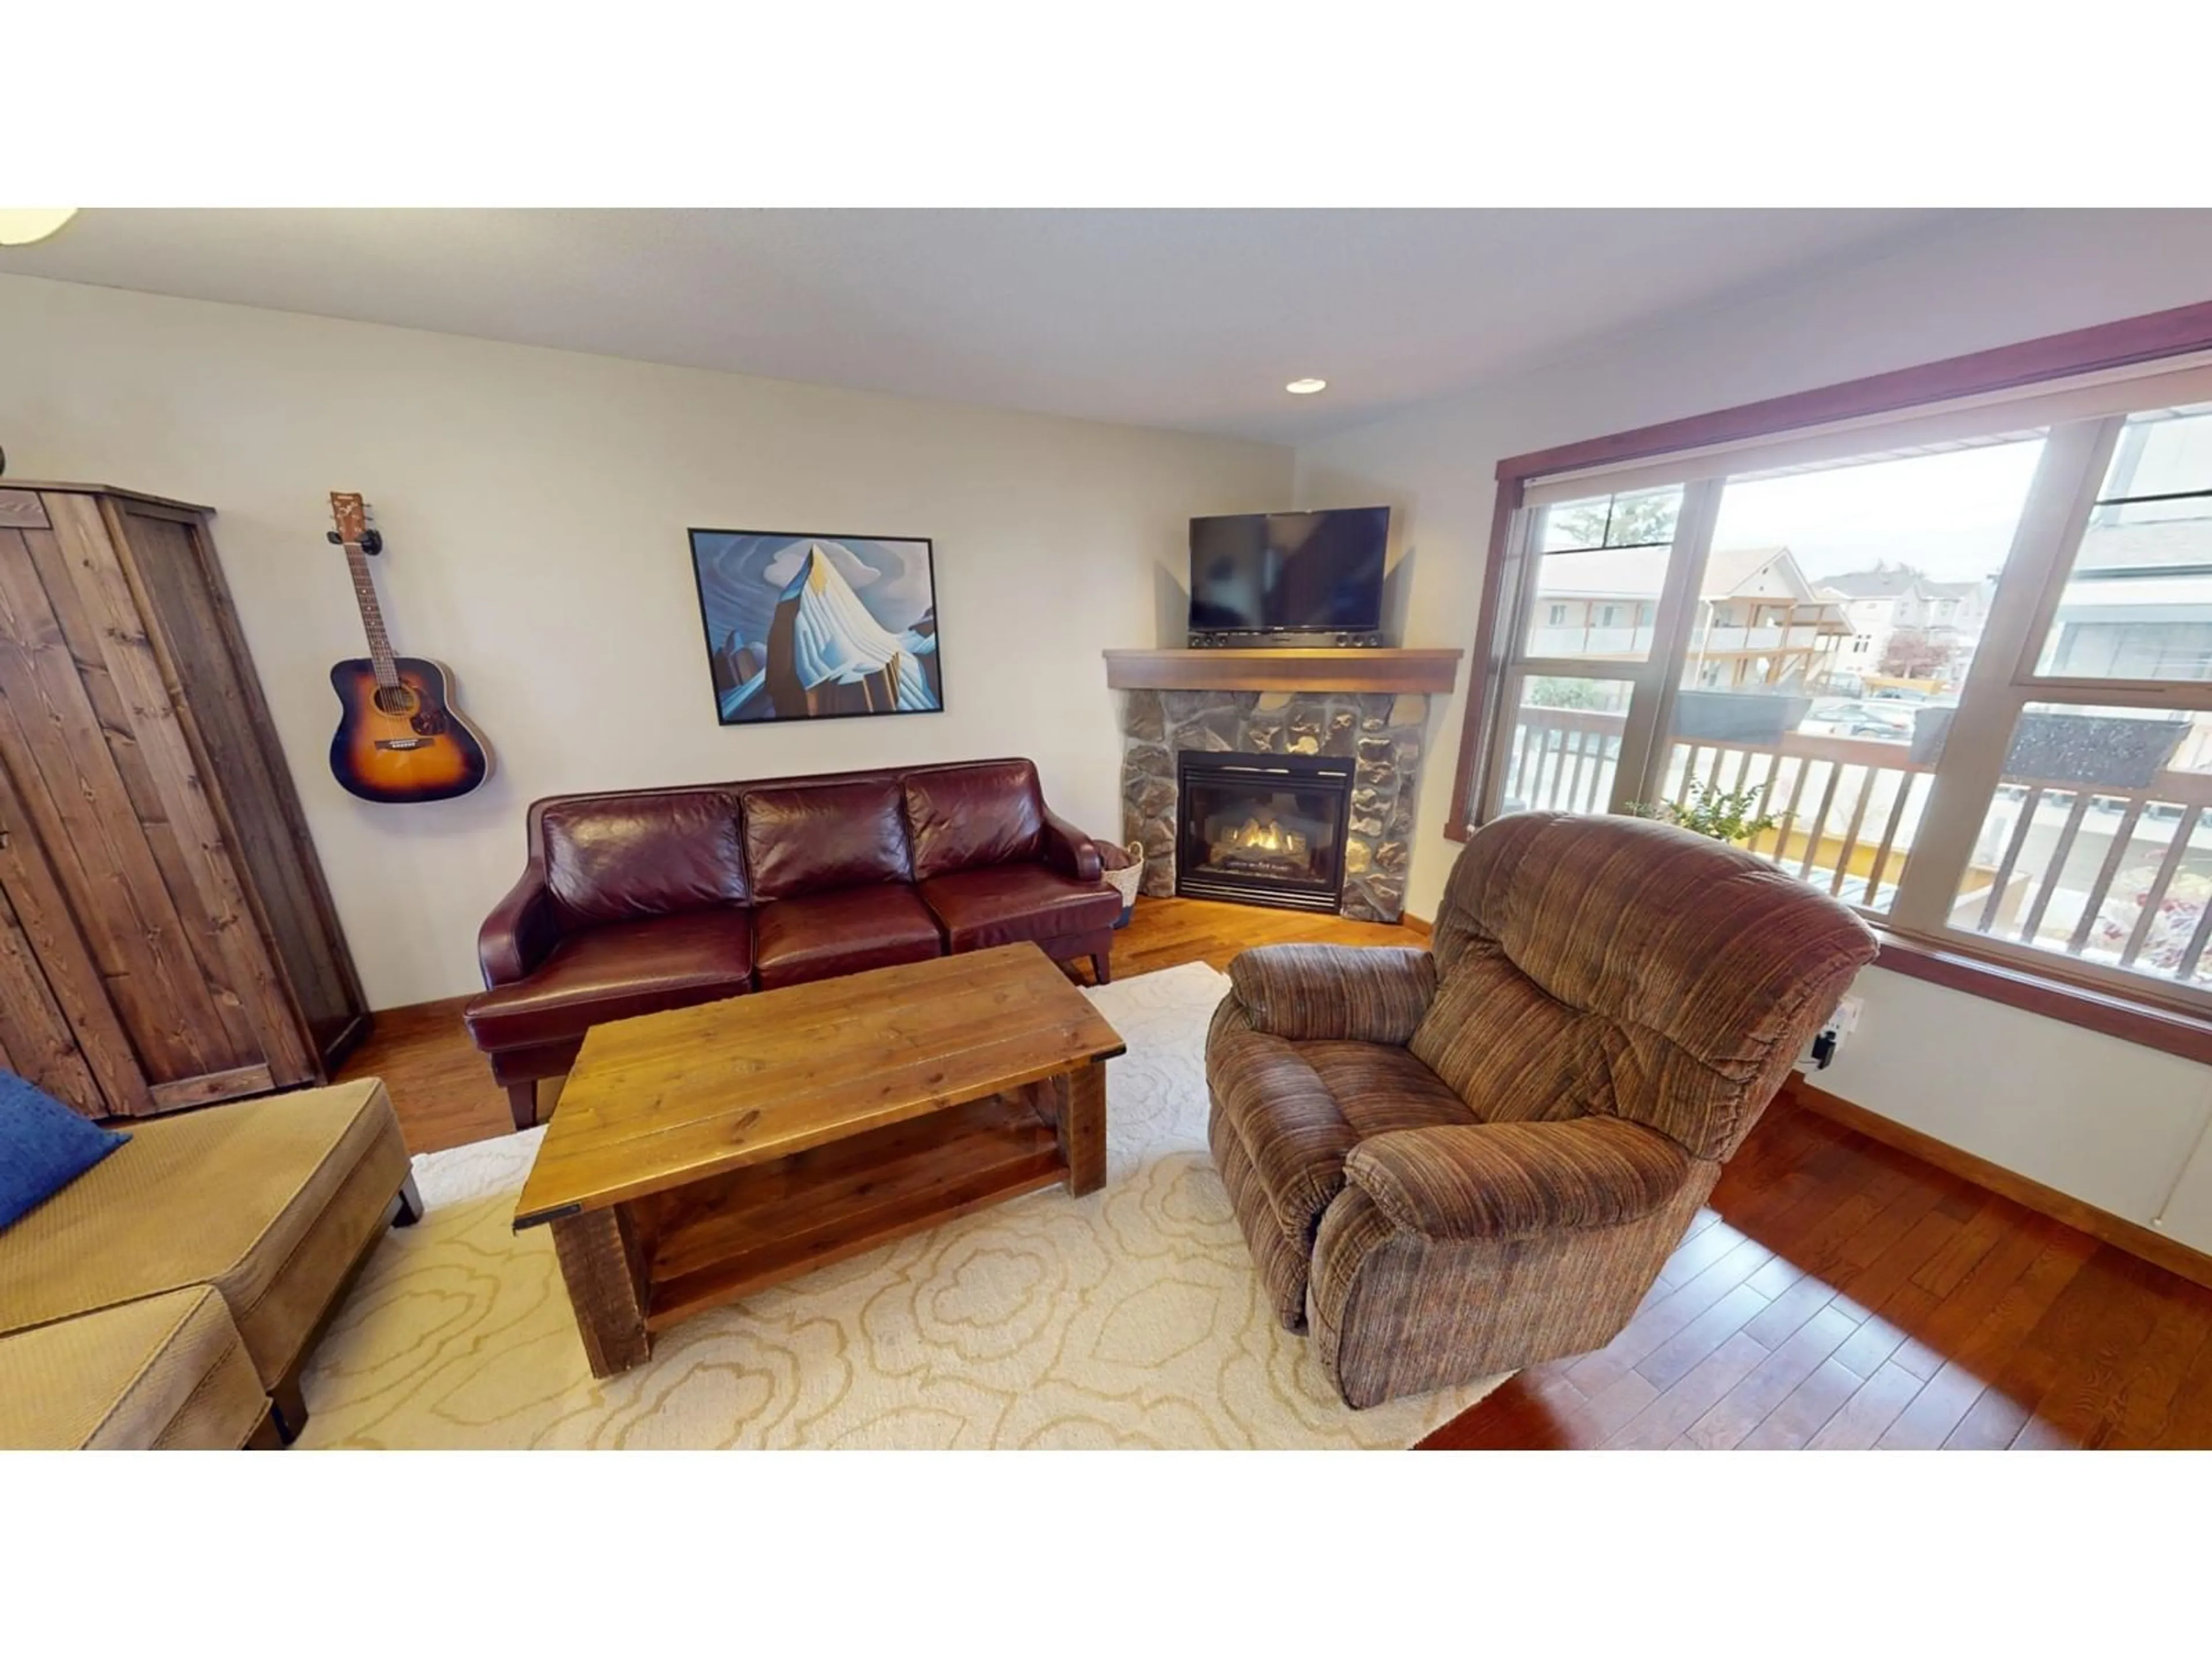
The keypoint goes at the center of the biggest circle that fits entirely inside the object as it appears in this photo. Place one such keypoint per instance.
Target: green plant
(1549, 691)
(1723, 814)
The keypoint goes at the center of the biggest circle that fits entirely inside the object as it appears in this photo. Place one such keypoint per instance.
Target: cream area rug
(1131, 1317)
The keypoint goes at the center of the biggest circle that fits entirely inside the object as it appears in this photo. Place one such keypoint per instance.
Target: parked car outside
(1851, 718)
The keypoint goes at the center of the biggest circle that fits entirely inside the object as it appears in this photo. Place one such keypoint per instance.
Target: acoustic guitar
(399, 737)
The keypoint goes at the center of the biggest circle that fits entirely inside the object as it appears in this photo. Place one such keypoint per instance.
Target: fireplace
(1262, 829)
(1381, 735)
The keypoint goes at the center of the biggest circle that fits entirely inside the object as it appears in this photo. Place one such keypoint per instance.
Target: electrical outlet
(1830, 1037)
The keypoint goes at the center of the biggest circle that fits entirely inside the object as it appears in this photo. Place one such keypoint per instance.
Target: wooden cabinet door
(224, 729)
(83, 732)
(36, 1039)
(55, 1022)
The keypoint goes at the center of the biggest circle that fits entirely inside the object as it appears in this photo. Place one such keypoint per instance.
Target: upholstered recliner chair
(1455, 1164)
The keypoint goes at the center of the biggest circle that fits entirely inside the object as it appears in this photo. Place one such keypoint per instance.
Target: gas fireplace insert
(1262, 829)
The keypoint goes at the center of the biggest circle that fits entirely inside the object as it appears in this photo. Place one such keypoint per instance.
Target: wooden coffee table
(700, 1155)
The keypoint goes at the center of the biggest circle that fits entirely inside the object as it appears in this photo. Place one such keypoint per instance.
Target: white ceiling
(1182, 318)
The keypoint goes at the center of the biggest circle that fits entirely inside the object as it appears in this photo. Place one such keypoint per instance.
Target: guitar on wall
(399, 737)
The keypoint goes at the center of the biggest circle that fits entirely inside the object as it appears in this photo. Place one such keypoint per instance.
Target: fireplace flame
(1253, 836)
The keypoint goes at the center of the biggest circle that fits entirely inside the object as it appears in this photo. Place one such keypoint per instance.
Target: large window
(1958, 666)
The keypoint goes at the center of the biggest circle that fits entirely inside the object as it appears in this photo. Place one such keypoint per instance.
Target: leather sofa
(635, 902)
(1457, 1163)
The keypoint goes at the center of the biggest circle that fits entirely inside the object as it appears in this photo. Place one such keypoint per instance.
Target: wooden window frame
(2056, 988)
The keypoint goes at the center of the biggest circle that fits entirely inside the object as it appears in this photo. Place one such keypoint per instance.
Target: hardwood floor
(441, 1086)
(1834, 1292)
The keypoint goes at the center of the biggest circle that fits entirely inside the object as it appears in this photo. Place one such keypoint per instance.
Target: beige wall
(2111, 1123)
(535, 504)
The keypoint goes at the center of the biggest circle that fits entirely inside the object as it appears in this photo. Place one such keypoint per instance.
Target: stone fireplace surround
(1382, 732)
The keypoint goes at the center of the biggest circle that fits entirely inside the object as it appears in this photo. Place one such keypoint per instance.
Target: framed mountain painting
(817, 627)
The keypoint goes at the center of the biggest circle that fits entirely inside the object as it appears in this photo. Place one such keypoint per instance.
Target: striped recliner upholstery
(1453, 1165)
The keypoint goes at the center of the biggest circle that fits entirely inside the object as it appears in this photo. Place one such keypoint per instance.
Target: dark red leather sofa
(638, 901)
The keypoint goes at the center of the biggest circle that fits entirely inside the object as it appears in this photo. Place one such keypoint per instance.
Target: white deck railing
(2116, 875)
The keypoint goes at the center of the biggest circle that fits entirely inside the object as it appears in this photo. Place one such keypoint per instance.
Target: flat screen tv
(1289, 572)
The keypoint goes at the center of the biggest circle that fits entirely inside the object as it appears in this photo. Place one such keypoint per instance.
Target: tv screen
(1264, 572)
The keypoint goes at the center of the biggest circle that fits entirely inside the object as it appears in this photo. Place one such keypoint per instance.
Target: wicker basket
(1125, 882)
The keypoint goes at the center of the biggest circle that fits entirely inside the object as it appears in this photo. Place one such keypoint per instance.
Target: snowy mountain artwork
(813, 627)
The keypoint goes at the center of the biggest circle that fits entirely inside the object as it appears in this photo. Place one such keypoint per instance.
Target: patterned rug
(1131, 1317)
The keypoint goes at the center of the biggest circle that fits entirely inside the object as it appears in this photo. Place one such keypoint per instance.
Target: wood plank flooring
(1834, 1292)
(1837, 1294)
(441, 1086)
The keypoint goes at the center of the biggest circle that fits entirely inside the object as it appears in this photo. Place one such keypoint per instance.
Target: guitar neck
(371, 616)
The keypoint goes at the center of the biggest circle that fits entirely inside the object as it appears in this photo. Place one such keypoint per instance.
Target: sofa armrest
(1504, 1181)
(520, 932)
(1068, 850)
(1334, 992)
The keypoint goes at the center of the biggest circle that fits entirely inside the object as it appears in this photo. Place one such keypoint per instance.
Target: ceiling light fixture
(1308, 386)
(21, 225)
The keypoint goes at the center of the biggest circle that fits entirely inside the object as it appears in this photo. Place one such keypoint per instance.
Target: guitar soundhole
(395, 700)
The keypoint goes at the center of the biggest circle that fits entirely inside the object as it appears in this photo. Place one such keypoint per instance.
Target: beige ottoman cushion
(170, 1372)
(268, 1201)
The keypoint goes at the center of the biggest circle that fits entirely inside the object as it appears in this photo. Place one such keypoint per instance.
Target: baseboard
(351, 1037)
(1419, 924)
(2148, 1242)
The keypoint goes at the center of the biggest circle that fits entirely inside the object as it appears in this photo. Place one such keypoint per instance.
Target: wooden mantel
(1332, 669)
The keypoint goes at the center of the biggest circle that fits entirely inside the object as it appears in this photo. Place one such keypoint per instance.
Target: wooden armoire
(166, 938)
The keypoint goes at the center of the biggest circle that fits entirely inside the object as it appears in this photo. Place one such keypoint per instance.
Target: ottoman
(272, 1203)
(168, 1373)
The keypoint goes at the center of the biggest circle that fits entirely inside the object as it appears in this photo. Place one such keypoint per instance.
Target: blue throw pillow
(44, 1146)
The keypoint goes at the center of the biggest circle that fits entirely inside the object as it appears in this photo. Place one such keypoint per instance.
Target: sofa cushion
(44, 1146)
(1299, 1109)
(963, 817)
(1514, 1053)
(1004, 904)
(1346, 993)
(824, 934)
(631, 856)
(1380, 1088)
(271, 1202)
(618, 972)
(168, 1372)
(1519, 1179)
(1615, 965)
(816, 838)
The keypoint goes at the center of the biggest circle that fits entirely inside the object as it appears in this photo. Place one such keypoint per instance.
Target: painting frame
(724, 714)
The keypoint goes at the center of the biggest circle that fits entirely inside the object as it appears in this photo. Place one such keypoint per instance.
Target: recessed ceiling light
(21, 225)
(1308, 386)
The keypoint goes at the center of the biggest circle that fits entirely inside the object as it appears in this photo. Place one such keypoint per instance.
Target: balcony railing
(1576, 640)
(1563, 761)
(2116, 875)
(1799, 636)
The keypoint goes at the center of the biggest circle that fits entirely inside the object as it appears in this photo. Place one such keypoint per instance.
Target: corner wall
(2104, 1121)
(534, 504)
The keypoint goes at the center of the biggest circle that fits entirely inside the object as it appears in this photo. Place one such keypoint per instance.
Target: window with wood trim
(1960, 658)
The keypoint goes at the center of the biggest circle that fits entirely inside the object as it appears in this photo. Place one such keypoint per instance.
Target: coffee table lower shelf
(640, 1266)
